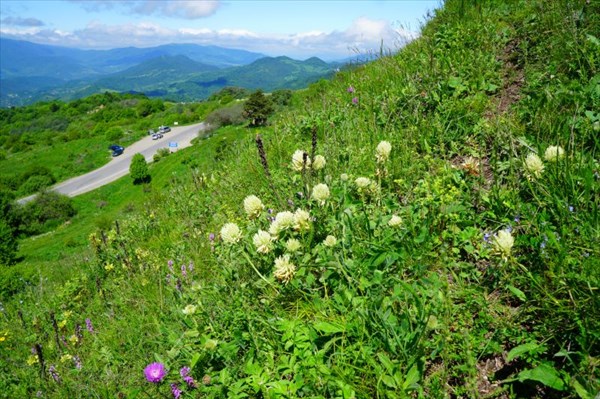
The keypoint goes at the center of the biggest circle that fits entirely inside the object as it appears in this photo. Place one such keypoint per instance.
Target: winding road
(119, 166)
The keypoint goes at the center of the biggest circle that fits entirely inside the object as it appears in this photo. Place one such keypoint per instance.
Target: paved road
(119, 166)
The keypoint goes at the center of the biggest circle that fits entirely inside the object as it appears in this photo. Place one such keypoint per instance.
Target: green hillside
(422, 226)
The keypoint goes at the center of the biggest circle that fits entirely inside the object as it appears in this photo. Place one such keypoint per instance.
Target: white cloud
(186, 9)
(364, 36)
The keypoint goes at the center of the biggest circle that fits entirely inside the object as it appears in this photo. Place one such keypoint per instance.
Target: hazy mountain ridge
(31, 72)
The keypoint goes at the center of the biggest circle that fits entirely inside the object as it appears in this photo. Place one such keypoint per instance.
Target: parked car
(116, 150)
(164, 129)
(157, 136)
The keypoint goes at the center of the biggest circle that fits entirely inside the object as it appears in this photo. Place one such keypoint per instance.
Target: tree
(138, 169)
(8, 244)
(257, 108)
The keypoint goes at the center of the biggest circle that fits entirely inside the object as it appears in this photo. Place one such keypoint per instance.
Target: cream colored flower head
(554, 153)
(230, 233)
(189, 309)
(283, 221)
(382, 152)
(320, 193)
(284, 269)
(263, 242)
(298, 161)
(395, 221)
(330, 241)
(503, 242)
(301, 220)
(344, 177)
(292, 245)
(253, 206)
(534, 165)
(362, 182)
(319, 162)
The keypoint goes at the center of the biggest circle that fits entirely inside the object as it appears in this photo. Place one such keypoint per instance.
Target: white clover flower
(382, 153)
(292, 245)
(284, 269)
(503, 242)
(263, 242)
(189, 309)
(554, 153)
(320, 193)
(283, 221)
(319, 162)
(298, 161)
(534, 165)
(253, 206)
(362, 182)
(344, 177)
(301, 220)
(231, 233)
(395, 221)
(330, 241)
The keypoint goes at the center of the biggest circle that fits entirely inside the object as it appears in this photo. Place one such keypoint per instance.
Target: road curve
(119, 166)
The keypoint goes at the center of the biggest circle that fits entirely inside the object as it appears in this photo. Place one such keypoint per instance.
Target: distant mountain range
(32, 72)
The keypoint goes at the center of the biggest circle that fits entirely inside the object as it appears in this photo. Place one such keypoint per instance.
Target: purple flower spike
(350, 89)
(183, 271)
(54, 374)
(184, 372)
(155, 372)
(88, 324)
(190, 381)
(170, 263)
(175, 391)
(211, 236)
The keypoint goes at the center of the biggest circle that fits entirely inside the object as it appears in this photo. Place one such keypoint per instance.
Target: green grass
(457, 270)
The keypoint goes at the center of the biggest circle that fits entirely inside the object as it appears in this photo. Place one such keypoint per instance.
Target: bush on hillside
(139, 169)
(45, 212)
(258, 108)
(233, 115)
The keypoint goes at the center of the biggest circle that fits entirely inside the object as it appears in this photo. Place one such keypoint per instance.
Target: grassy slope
(427, 309)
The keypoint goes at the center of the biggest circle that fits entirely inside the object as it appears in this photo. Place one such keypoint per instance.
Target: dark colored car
(116, 150)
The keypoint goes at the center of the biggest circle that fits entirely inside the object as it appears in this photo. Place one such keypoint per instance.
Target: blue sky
(300, 28)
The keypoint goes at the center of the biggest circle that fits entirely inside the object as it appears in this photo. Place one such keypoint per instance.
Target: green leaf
(389, 381)
(329, 328)
(194, 360)
(522, 349)
(412, 377)
(517, 292)
(545, 375)
(581, 391)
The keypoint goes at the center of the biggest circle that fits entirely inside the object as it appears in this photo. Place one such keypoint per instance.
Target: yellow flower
(73, 339)
(253, 206)
(319, 162)
(554, 153)
(31, 360)
(283, 221)
(292, 245)
(301, 220)
(284, 269)
(263, 242)
(382, 153)
(534, 165)
(395, 221)
(344, 177)
(109, 267)
(189, 309)
(330, 241)
(62, 324)
(503, 242)
(66, 358)
(230, 233)
(320, 193)
(299, 162)
(362, 182)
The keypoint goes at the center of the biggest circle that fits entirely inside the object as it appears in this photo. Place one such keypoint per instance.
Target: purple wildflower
(355, 100)
(170, 263)
(175, 391)
(211, 236)
(88, 324)
(155, 372)
(350, 89)
(183, 271)
(509, 228)
(77, 362)
(517, 219)
(270, 211)
(486, 237)
(191, 267)
(178, 285)
(190, 381)
(78, 333)
(185, 371)
(54, 373)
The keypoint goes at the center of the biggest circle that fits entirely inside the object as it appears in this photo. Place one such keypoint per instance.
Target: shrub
(139, 169)
(34, 184)
(258, 108)
(233, 115)
(8, 244)
(45, 211)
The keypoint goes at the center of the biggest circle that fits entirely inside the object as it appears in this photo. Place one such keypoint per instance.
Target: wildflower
(319, 162)
(395, 221)
(263, 242)
(503, 243)
(189, 309)
(355, 100)
(54, 373)
(230, 233)
(253, 206)
(301, 220)
(344, 177)
(191, 267)
(155, 372)
(185, 371)
(283, 221)
(175, 391)
(292, 245)
(300, 161)
(77, 362)
(109, 267)
(170, 264)
(362, 182)
(554, 153)
(65, 358)
(471, 166)
(32, 359)
(350, 89)
(62, 324)
(185, 374)
(534, 165)
(211, 236)
(382, 153)
(320, 193)
(88, 324)
(284, 269)
(330, 241)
